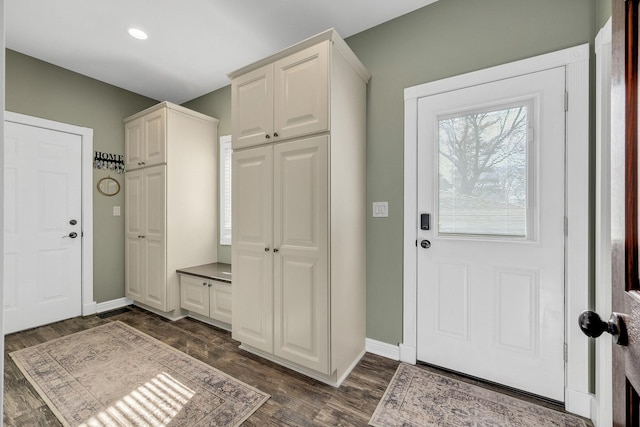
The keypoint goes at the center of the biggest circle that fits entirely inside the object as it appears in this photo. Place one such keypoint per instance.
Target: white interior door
(42, 227)
(491, 283)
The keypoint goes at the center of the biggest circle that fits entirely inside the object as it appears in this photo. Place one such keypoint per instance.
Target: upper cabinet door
(155, 135)
(134, 145)
(252, 108)
(146, 140)
(301, 87)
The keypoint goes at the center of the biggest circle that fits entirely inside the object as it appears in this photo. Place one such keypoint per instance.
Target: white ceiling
(192, 44)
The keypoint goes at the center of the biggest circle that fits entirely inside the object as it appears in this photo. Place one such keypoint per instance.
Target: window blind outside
(225, 190)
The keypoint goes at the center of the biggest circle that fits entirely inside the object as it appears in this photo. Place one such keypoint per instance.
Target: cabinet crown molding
(331, 34)
(174, 107)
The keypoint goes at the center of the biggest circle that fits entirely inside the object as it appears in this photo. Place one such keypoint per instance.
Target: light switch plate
(380, 209)
(116, 211)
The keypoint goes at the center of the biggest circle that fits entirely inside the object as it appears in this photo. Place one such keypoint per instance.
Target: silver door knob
(425, 244)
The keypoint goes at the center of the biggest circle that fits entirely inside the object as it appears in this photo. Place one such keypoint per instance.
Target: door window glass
(482, 171)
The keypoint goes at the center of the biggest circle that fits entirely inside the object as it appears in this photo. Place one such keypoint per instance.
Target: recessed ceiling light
(138, 33)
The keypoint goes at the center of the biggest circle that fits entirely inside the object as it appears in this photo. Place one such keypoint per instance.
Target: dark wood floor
(295, 399)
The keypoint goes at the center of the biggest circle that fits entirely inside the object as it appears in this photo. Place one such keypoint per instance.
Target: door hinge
(566, 226)
(566, 101)
(565, 352)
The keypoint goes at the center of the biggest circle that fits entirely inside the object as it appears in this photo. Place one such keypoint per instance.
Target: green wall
(217, 104)
(44, 90)
(604, 12)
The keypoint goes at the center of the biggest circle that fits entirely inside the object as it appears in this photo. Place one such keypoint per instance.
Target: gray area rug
(418, 397)
(115, 375)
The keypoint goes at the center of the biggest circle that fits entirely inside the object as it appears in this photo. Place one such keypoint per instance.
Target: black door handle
(593, 326)
(73, 235)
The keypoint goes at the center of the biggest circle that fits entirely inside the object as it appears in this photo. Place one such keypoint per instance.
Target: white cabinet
(206, 297)
(299, 212)
(145, 202)
(282, 257)
(284, 99)
(170, 201)
(145, 140)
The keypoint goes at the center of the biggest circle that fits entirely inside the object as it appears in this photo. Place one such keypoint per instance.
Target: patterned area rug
(417, 397)
(115, 375)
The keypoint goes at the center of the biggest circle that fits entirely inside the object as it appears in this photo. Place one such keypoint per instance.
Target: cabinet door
(252, 200)
(155, 212)
(134, 144)
(220, 301)
(252, 107)
(301, 92)
(155, 137)
(134, 223)
(194, 294)
(301, 288)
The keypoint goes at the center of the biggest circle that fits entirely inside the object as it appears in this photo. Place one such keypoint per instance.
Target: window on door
(225, 190)
(483, 171)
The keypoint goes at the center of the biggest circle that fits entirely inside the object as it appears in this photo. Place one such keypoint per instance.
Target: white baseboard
(209, 321)
(408, 354)
(383, 349)
(113, 304)
(89, 309)
(174, 315)
(578, 403)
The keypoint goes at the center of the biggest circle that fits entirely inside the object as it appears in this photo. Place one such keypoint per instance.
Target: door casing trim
(86, 135)
(575, 60)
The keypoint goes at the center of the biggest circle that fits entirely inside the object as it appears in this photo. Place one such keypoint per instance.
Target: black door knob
(593, 326)
(425, 244)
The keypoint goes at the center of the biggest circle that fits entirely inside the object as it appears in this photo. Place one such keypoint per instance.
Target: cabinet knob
(275, 251)
(266, 249)
(275, 134)
(267, 136)
(204, 283)
(210, 284)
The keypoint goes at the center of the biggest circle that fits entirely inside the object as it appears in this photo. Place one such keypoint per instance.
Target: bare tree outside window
(483, 172)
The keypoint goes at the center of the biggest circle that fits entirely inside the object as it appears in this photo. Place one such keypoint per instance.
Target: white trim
(582, 403)
(209, 321)
(225, 143)
(86, 135)
(383, 349)
(602, 414)
(114, 304)
(576, 63)
(326, 379)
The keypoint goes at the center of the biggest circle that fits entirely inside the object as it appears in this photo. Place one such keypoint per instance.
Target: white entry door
(42, 229)
(491, 250)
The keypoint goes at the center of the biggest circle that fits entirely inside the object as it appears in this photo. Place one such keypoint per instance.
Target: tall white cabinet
(299, 188)
(170, 201)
